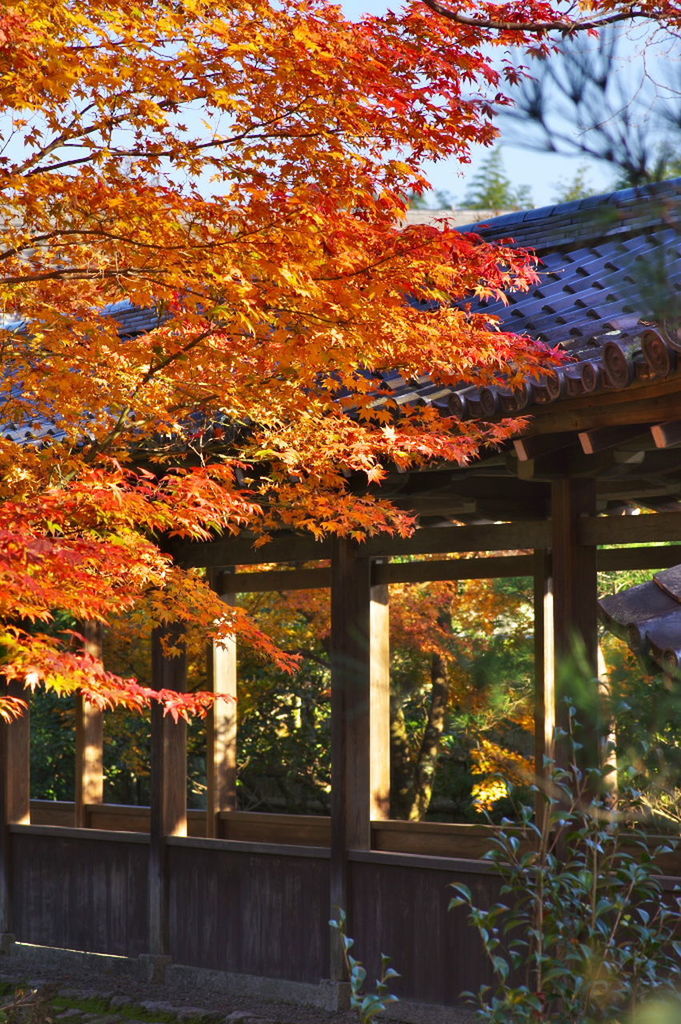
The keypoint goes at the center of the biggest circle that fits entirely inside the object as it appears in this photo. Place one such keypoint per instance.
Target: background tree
(492, 189)
(579, 187)
(591, 99)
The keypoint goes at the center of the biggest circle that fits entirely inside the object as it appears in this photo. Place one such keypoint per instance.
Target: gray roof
(609, 295)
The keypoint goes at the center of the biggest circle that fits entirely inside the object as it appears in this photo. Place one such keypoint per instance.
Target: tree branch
(566, 26)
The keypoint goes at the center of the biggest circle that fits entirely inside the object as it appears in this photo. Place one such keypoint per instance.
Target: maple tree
(242, 171)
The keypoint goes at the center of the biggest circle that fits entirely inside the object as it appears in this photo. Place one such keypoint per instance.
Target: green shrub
(580, 933)
(368, 1005)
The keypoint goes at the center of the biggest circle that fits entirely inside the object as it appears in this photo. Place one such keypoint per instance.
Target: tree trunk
(429, 751)
(401, 767)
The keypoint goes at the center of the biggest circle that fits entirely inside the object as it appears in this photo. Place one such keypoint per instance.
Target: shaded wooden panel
(279, 579)
(350, 682)
(168, 739)
(453, 569)
(658, 557)
(645, 529)
(433, 838)
(120, 818)
(294, 829)
(396, 572)
(226, 551)
(80, 893)
(263, 914)
(402, 911)
(52, 812)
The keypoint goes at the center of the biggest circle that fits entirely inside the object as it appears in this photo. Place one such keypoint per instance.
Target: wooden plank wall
(399, 907)
(258, 909)
(249, 911)
(80, 891)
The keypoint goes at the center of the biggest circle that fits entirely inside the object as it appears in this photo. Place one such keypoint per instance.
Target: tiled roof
(648, 616)
(609, 295)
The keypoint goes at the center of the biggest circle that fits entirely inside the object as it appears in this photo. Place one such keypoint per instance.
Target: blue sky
(542, 172)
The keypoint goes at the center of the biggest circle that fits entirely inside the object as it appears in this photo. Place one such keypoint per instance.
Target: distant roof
(457, 218)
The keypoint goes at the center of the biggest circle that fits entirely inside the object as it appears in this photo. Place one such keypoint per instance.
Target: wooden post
(89, 781)
(15, 807)
(575, 616)
(222, 720)
(544, 670)
(360, 717)
(168, 782)
(379, 715)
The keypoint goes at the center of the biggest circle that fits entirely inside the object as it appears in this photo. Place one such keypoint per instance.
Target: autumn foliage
(241, 170)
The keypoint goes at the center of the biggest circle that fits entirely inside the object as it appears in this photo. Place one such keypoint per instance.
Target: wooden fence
(258, 903)
(253, 905)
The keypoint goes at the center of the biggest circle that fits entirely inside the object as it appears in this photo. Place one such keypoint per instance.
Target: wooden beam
(666, 434)
(522, 534)
(240, 550)
(279, 580)
(642, 529)
(227, 551)
(168, 781)
(503, 567)
(611, 409)
(600, 412)
(621, 559)
(15, 751)
(15, 807)
(89, 774)
(599, 440)
(531, 446)
(575, 617)
(222, 719)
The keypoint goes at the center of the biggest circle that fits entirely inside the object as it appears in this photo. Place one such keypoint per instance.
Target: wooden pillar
(544, 670)
(222, 720)
(360, 717)
(15, 808)
(89, 780)
(168, 781)
(379, 716)
(575, 619)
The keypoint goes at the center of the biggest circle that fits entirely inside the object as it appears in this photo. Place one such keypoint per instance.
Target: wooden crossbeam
(527, 448)
(666, 434)
(521, 534)
(602, 438)
(644, 529)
